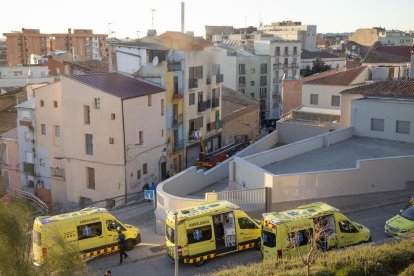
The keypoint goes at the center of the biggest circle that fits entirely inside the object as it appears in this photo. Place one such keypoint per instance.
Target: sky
(133, 18)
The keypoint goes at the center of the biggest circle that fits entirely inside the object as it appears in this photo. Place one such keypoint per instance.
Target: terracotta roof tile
(117, 85)
(388, 54)
(342, 78)
(390, 88)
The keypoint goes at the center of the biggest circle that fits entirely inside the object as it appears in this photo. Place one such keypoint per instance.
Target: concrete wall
(346, 108)
(291, 132)
(9, 149)
(23, 81)
(173, 192)
(363, 110)
(369, 176)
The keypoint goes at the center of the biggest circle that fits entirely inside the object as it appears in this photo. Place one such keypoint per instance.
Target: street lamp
(175, 213)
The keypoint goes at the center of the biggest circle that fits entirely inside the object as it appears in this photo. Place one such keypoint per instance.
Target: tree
(318, 67)
(315, 240)
(16, 224)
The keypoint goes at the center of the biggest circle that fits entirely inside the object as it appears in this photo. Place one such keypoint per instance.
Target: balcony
(177, 97)
(215, 102)
(57, 172)
(193, 83)
(219, 78)
(28, 168)
(208, 81)
(242, 72)
(242, 84)
(174, 66)
(177, 120)
(263, 83)
(276, 66)
(202, 106)
(194, 135)
(176, 147)
(294, 65)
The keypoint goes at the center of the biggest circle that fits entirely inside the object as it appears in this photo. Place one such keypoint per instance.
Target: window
(162, 107)
(169, 233)
(286, 50)
(377, 124)
(263, 91)
(25, 115)
(90, 178)
(295, 50)
(162, 132)
(294, 72)
(141, 137)
(57, 131)
(55, 104)
(43, 129)
(111, 140)
(263, 68)
(86, 115)
(335, 100)
(112, 225)
(97, 103)
(252, 70)
(263, 80)
(91, 230)
(277, 51)
(145, 168)
(27, 136)
(149, 100)
(242, 80)
(246, 223)
(191, 99)
(138, 174)
(199, 234)
(251, 83)
(252, 95)
(242, 90)
(42, 162)
(242, 69)
(299, 238)
(286, 62)
(347, 227)
(112, 116)
(314, 99)
(42, 103)
(269, 239)
(89, 144)
(403, 127)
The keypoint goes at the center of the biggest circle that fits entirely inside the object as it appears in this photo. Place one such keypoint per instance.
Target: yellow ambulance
(209, 230)
(283, 233)
(403, 223)
(93, 230)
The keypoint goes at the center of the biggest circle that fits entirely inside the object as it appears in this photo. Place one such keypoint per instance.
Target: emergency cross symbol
(87, 231)
(293, 213)
(198, 235)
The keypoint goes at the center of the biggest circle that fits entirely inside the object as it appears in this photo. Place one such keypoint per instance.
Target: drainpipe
(125, 151)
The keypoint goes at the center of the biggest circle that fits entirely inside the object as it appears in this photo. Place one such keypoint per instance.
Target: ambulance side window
(199, 234)
(112, 225)
(246, 223)
(299, 238)
(90, 230)
(347, 227)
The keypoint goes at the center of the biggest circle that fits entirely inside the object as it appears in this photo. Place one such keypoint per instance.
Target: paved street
(149, 259)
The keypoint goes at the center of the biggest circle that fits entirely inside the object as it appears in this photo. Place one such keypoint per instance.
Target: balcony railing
(177, 120)
(219, 78)
(57, 172)
(177, 96)
(194, 135)
(176, 146)
(242, 72)
(202, 106)
(242, 84)
(174, 66)
(215, 102)
(193, 83)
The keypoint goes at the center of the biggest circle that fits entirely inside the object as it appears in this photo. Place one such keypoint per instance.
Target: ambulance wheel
(257, 244)
(199, 263)
(129, 244)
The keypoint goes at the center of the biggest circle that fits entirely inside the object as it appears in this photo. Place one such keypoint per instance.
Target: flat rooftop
(342, 155)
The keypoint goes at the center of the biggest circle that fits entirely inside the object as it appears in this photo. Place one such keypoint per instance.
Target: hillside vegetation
(386, 259)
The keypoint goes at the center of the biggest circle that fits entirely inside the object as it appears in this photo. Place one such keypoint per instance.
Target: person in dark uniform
(121, 245)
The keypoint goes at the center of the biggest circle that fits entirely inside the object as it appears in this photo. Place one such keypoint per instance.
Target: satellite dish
(155, 61)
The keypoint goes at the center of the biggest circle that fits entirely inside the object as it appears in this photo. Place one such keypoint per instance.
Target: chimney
(69, 30)
(182, 17)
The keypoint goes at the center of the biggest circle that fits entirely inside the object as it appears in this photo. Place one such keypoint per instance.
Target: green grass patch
(387, 259)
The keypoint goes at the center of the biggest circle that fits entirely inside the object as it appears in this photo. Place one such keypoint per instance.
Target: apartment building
(250, 74)
(367, 36)
(285, 60)
(396, 38)
(21, 45)
(290, 30)
(3, 52)
(9, 161)
(81, 42)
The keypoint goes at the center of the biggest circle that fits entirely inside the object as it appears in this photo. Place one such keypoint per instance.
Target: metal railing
(248, 200)
(30, 199)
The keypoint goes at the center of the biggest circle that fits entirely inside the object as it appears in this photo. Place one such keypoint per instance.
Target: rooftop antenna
(137, 34)
(109, 29)
(152, 17)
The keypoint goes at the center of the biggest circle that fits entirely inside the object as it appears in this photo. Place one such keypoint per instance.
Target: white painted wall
(290, 132)
(130, 59)
(325, 93)
(363, 110)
